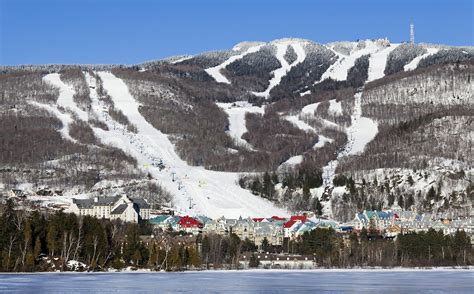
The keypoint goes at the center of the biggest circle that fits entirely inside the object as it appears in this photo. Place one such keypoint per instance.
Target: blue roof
(159, 219)
(384, 215)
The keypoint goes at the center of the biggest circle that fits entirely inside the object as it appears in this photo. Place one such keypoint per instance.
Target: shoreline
(315, 270)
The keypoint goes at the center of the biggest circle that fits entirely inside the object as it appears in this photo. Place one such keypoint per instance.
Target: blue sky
(119, 31)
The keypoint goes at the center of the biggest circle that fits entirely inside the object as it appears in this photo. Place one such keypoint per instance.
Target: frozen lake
(329, 281)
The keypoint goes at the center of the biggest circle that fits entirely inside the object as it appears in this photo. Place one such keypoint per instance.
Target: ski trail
(66, 94)
(195, 190)
(65, 101)
(360, 133)
(215, 72)
(377, 62)
(65, 119)
(339, 69)
(236, 112)
(412, 65)
(279, 73)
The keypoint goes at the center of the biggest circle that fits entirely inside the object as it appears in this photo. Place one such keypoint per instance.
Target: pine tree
(265, 244)
(253, 262)
(317, 207)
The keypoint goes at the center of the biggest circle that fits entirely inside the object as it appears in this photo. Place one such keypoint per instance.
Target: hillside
(261, 129)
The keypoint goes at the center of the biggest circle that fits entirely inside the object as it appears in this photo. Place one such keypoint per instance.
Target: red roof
(278, 218)
(289, 224)
(298, 217)
(189, 222)
(258, 219)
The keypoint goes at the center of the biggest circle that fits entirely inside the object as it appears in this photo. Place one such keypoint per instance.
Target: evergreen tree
(253, 262)
(265, 244)
(317, 207)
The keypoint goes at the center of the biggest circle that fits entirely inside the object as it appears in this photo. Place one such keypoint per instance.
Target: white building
(116, 207)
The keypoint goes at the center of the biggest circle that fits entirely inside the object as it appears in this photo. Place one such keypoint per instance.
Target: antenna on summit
(412, 34)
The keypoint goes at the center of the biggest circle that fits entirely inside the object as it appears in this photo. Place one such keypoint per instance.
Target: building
(114, 207)
(190, 225)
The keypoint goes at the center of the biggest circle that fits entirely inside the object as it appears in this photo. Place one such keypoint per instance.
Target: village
(274, 230)
(266, 242)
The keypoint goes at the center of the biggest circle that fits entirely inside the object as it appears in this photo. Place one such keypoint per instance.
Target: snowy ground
(377, 62)
(236, 112)
(414, 63)
(279, 73)
(360, 133)
(378, 57)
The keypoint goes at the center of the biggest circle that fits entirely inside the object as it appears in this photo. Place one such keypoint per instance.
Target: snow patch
(236, 112)
(414, 63)
(335, 108)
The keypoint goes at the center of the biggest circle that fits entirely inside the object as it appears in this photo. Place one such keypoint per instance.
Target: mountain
(258, 130)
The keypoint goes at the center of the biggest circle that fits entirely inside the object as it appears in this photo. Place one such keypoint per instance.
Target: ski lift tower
(412, 34)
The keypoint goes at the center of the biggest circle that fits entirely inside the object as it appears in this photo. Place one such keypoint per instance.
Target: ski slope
(195, 190)
(66, 93)
(377, 62)
(361, 131)
(236, 114)
(65, 119)
(338, 70)
(414, 63)
(294, 160)
(279, 73)
(215, 72)
(66, 102)
(378, 56)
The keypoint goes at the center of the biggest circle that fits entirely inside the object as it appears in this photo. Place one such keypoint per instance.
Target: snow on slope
(360, 133)
(362, 130)
(65, 101)
(414, 63)
(377, 62)
(322, 141)
(195, 190)
(335, 107)
(279, 73)
(295, 119)
(236, 112)
(310, 109)
(65, 119)
(294, 160)
(215, 72)
(338, 70)
(66, 94)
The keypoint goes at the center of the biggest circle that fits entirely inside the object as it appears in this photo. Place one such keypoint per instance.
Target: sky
(134, 31)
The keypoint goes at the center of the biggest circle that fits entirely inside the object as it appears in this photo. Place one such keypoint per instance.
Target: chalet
(115, 207)
(189, 225)
(290, 228)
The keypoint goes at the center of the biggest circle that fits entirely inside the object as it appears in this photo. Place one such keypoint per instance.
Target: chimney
(96, 199)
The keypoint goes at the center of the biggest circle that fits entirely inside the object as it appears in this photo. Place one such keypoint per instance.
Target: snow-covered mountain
(260, 129)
